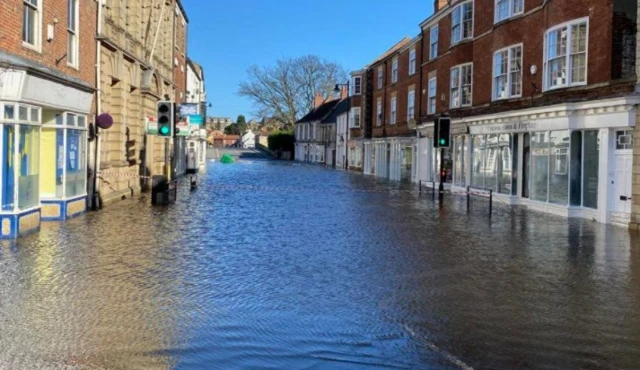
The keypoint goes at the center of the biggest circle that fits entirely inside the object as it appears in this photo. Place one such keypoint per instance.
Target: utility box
(192, 157)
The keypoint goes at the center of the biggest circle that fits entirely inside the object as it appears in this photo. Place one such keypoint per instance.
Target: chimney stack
(439, 4)
(318, 100)
(344, 92)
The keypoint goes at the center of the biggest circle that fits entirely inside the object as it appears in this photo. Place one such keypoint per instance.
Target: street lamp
(346, 155)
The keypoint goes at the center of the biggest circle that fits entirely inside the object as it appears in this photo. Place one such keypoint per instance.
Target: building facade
(309, 144)
(196, 91)
(542, 100)
(395, 105)
(47, 74)
(140, 45)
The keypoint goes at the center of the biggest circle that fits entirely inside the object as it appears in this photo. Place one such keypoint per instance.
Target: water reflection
(300, 267)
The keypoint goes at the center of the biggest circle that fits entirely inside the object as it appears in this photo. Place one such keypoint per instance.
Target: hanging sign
(152, 126)
(182, 128)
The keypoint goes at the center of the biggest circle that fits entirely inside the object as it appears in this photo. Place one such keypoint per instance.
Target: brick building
(542, 100)
(141, 61)
(47, 76)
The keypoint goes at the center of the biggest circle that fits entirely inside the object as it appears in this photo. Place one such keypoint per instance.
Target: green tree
(236, 129)
(241, 119)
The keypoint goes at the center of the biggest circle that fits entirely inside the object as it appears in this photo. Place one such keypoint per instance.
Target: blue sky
(227, 36)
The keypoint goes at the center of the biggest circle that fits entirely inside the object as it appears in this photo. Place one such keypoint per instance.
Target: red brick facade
(52, 53)
(605, 75)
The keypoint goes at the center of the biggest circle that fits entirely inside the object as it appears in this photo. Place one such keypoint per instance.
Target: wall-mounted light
(534, 70)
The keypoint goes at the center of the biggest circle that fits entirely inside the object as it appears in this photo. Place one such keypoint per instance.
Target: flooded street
(278, 266)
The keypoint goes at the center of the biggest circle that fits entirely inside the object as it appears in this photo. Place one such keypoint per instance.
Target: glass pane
(460, 150)
(576, 169)
(82, 121)
(477, 158)
(71, 119)
(590, 169)
(71, 24)
(23, 113)
(558, 72)
(578, 68)
(504, 164)
(559, 170)
(539, 166)
(35, 115)
(28, 167)
(579, 38)
(8, 162)
(517, 6)
(9, 111)
(52, 167)
(492, 163)
(71, 49)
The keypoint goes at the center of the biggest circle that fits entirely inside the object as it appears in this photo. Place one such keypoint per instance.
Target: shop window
(478, 168)
(28, 167)
(590, 168)
(559, 165)
(460, 146)
(8, 173)
(9, 112)
(51, 178)
(76, 163)
(504, 163)
(539, 166)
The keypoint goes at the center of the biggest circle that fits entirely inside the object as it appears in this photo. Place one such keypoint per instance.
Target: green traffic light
(442, 141)
(164, 130)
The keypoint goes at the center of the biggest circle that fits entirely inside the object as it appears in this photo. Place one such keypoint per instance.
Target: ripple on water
(274, 266)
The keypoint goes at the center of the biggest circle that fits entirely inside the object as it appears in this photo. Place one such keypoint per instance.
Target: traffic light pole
(442, 177)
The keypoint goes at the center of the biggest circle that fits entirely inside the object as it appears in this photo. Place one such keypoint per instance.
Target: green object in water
(226, 158)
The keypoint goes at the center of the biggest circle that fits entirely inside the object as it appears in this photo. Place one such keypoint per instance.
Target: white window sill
(579, 84)
(32, 47)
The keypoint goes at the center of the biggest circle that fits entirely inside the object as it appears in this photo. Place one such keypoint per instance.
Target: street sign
(152, 126)
(182, 128)
(195, 119)
(188, 109)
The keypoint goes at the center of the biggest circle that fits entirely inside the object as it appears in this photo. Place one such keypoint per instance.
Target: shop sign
(525, 126)
(456, 129)
(152, 126)
(188, 109)
(182, 128)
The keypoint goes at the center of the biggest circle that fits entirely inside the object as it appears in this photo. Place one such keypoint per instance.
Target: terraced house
(542, 99)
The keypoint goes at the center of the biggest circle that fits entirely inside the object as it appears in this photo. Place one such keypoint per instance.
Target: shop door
(624, 162)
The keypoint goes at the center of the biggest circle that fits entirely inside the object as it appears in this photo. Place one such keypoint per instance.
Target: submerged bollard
(468, 197)
(490, 202)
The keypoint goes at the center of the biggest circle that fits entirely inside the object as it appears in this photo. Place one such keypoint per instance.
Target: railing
(484, 195)
(431, 189)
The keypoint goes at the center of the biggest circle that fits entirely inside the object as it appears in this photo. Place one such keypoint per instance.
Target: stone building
(142, 60)
(47, 76)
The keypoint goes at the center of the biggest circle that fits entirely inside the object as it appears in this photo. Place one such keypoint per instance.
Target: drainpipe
(96, 166)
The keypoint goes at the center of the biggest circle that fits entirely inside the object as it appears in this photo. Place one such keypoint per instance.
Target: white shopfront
(571, 159)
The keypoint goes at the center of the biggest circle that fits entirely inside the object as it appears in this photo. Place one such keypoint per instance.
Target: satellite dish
(104, 121)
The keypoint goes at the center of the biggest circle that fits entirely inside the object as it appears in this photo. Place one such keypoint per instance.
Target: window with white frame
(507, 9)
(394, 110)
(72, 33)
(433, 42)
(565, 57)
(462, 22)
(394, 70)
(507, 73)
(379, 112)
(31, 22)
(380, 77)
(411, 105)
(461, 85)
(432, 95)
(355, 118)
(357, 85)
(412, 61)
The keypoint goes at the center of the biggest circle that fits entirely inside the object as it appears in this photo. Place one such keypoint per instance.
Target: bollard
(468, 196)
(433, 193)
(420, 186)
(490, 202)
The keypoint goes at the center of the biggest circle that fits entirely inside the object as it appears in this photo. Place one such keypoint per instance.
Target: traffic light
(166, 118)
(442, 134)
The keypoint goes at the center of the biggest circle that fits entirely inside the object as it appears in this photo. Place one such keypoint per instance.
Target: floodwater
(271, 265)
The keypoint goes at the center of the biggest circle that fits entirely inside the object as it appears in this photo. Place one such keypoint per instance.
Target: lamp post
(337, 89)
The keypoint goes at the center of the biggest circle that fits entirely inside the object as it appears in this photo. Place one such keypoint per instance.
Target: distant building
(248, 140)
(219, 123)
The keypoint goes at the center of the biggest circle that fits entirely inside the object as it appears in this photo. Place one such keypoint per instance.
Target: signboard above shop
(187, 110)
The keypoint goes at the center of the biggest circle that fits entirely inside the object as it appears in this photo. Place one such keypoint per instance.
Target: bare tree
(286, 91)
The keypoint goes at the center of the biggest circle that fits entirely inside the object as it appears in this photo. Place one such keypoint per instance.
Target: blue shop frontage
(43, 148)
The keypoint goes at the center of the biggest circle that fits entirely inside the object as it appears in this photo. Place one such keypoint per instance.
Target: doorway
(526, 164)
